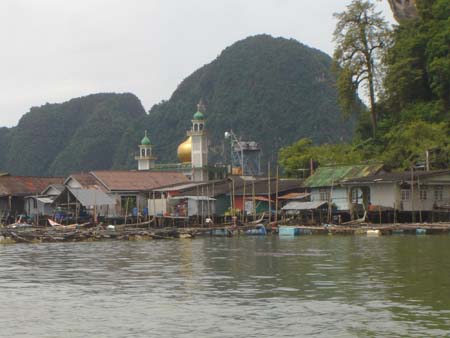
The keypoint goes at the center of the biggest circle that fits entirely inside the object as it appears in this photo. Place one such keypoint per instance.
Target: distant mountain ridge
(270, 90)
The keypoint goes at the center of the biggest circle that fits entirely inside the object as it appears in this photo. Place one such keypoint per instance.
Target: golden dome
(184, 151)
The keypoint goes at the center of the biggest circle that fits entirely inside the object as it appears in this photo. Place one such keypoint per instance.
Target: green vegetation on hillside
(414, 107)
(81, 134)
(270, 90)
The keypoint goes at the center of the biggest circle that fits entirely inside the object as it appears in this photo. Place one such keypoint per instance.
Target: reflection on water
(228, 287)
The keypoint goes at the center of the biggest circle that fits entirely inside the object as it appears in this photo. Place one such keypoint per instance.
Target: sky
(53, 50)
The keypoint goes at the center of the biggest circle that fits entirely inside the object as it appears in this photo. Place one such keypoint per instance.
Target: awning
(304, 205)
(45, 200)
(294, 196)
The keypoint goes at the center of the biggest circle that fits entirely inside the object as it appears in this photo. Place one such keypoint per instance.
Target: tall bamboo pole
(276, 195)
(420, 199)
(268, 192)
(243, 203)
(233, 198)
(413, 217)
(253, 200)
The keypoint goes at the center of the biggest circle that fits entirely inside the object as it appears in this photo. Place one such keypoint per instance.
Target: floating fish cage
(421, 231)
(288, 231)
(373, 232)
(260, 230)
(221, 233)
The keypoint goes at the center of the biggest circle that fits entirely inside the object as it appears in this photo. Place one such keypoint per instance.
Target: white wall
(157, 206)
(339, 197)
(389, 194)
(385, 195)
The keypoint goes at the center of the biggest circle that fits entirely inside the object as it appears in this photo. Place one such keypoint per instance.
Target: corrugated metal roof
(195, 198)
(328, 176)
(396, 176)
(123, 180)
(92, 197)
(220, 187)
(262, 186)
(179, 187)
(58, 187)
(25, 185)
(303, 205)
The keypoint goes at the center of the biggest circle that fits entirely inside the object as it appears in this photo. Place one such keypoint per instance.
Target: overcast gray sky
(55, 50)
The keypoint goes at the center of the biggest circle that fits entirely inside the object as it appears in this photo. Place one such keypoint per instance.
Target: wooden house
(421, 194)
(42, 204)
(14, 189)
(130, 190)
(327, 184)
(235, 193)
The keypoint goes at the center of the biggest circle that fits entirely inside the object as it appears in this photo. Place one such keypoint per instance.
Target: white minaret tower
(199, 152)
(145, 159)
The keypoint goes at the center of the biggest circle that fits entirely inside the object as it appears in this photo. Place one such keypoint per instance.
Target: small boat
(260, 230)
(373, 232)
(398, 232)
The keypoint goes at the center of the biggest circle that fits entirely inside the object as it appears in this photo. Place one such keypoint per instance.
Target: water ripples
(227, 287)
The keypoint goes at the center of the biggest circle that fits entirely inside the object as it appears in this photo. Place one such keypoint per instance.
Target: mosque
(192, 153)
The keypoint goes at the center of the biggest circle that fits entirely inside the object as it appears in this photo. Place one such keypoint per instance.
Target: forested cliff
(270, 90)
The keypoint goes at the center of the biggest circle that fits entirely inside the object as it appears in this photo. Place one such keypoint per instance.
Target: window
(324, 195)
(423, 195)
(356, 196)
(438, 193)
(35, 204)
(406, 195)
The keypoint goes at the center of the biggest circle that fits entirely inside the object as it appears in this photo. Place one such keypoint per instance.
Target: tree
(298, 156)
(418, 63)
(407, 143)
(361, 36)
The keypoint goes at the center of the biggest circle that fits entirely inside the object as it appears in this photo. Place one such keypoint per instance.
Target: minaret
(145, 159)
(199, 152)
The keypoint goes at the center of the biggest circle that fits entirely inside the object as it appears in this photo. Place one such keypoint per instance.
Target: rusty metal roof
(123, 180)
(261, 186)
(25, 185)
(328, 176)
(294, 196)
